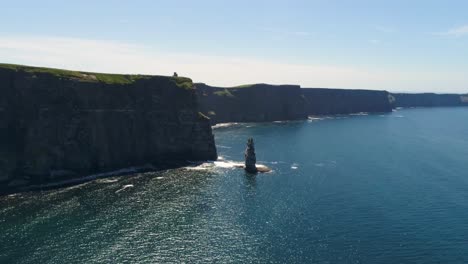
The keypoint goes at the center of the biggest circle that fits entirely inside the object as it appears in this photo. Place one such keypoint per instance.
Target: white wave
(221, 164)
(260, 166)
(295, 166)
(224, 147)
(222, 125)
(360, 114)
(125, 187)
(201, 167)
(314, 118)
(228, 164)
(159, 178)
(240, 165)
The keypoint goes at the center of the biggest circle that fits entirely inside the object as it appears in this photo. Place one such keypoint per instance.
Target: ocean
(366, 188)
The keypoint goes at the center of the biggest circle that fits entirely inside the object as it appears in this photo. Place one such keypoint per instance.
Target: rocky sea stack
(250, 158)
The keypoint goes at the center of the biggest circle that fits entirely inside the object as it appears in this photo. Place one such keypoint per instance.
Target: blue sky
(394, 45)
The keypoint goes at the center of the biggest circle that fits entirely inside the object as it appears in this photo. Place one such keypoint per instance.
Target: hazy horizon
(399, 46)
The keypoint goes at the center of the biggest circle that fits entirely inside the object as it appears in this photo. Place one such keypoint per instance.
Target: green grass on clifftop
(244, 86)
(224, 92)
(183, 82)
(107, 78)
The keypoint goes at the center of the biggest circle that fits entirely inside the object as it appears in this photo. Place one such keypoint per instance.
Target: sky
(399, 46)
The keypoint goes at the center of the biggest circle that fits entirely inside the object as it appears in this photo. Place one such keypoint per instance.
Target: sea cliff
(252, 103)
(322, 101)
(429, 100)
(60, 125)
(263, 102)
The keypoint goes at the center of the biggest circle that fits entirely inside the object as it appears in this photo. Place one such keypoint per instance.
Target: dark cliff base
(57, 126)
(429, 100)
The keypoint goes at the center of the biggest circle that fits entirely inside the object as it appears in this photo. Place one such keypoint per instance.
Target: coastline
(188, 164)
(96, 176)
(58, 124)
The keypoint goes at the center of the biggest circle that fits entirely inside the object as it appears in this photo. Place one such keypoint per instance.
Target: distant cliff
(263, 102)
(251, 103)
(322, 101)
(59, 125)
(429, 100)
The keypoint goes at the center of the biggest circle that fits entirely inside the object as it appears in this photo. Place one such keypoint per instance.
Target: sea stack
(250, 158)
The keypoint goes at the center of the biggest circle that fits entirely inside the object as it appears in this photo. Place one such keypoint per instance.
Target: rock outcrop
(322, 101)
(251, 103)
(429, 100)
(61, 125)
(250, 158)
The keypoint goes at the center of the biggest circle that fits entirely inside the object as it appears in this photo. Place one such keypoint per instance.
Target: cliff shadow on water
(58, 126)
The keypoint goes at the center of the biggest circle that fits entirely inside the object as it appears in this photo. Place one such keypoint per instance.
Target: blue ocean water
(383, 188)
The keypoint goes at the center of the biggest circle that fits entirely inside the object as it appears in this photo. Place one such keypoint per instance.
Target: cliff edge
(58, 125)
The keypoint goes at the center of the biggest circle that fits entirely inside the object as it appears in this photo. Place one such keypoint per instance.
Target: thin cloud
(457, 32)
(120, 57)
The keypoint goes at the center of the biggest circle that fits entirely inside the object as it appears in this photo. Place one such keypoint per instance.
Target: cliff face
(342, 101)
(58, 125)
(429, 100)
(262, 102)
(252, 103)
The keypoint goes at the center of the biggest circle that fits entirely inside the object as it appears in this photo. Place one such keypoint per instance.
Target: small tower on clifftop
(175, 74)
(250, 158)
